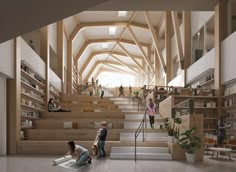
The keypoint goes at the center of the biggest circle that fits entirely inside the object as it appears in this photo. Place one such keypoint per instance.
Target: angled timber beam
(168, 46)
(92, 70)
(147, 60)
(155, 40)
(104, 63)
(129, 55)
(82, 26)
(100, 53)
(106, 70)
(178, 37)
(123, 63)
(94, 41)
(98, 72)
(117, 68)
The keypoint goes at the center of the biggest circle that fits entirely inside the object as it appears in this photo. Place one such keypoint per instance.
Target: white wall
(202, 65)
(32, 58)
(54, 80)
(228, 58)
(3, 120)
(52, 36)
(7, 58)
(178, 81)
(198, 19)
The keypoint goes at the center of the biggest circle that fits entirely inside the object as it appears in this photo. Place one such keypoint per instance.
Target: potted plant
(169, 125)
(136, 93)
(190, 143)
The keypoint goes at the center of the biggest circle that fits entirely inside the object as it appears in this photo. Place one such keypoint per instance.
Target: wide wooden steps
(81, 115)
(77, 123)
(77, 134)
(60, 147)
(86, 123)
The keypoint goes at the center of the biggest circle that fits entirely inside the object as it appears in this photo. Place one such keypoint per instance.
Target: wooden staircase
(50, 137)
(134, 115)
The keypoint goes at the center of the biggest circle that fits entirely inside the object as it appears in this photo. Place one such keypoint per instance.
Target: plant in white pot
(190, 143)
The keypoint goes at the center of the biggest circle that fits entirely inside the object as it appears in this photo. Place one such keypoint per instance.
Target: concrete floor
(44, 164)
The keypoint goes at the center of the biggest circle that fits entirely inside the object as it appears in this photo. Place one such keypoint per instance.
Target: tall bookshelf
(203, 102)
(206, 80)
(55, 94)
(230, 107)
(32, 97)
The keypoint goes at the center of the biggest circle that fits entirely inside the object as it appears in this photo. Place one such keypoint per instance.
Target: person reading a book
(81, 153)
(52, 107)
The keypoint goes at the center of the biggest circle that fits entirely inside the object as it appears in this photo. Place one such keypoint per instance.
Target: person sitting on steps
(52, 107)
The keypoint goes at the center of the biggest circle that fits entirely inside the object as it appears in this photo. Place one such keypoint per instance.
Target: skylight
(112, 30)
(122, 13)
(105, 45)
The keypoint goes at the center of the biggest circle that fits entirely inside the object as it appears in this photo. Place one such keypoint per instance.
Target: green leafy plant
(136, 93)
(189, 142)
(169, 125)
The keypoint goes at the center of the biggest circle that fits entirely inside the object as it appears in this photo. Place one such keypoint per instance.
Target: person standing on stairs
(102, 139)
(121, 90)
(151, 107)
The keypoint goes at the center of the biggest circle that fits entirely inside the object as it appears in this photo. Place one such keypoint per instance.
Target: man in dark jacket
(102, 140)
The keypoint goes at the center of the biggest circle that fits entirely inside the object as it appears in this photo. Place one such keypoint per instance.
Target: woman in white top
(82, 154)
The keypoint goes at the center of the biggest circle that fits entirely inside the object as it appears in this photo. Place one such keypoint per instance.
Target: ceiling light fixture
(112, 30)
(122, 13)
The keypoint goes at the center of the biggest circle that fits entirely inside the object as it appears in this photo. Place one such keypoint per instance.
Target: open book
(66, 162)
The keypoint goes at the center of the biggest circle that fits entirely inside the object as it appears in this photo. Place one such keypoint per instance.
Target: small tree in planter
(169, 125)
(190, 143)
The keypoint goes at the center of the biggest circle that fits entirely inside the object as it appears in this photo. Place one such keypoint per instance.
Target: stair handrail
(141, 127)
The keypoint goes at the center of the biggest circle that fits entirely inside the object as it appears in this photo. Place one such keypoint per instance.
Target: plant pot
(176, 140)
(171, 139)
(190, 157)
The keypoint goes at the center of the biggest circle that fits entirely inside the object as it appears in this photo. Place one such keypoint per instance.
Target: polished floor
(44, 164)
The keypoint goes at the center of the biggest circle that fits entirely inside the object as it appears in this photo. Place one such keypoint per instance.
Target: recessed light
(122, 13)
(112, 30)
(198, 34)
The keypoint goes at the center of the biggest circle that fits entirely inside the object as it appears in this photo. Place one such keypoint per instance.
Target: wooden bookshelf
(230, 107)
(55, 94)
(209, 82)
(206, 105)
(23, 73)
(32, 96)
(32, 88)
(28, 117)
(32, 108)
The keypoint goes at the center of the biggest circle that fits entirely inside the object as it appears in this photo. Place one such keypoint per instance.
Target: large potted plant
(190, 143)
(169, 125)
